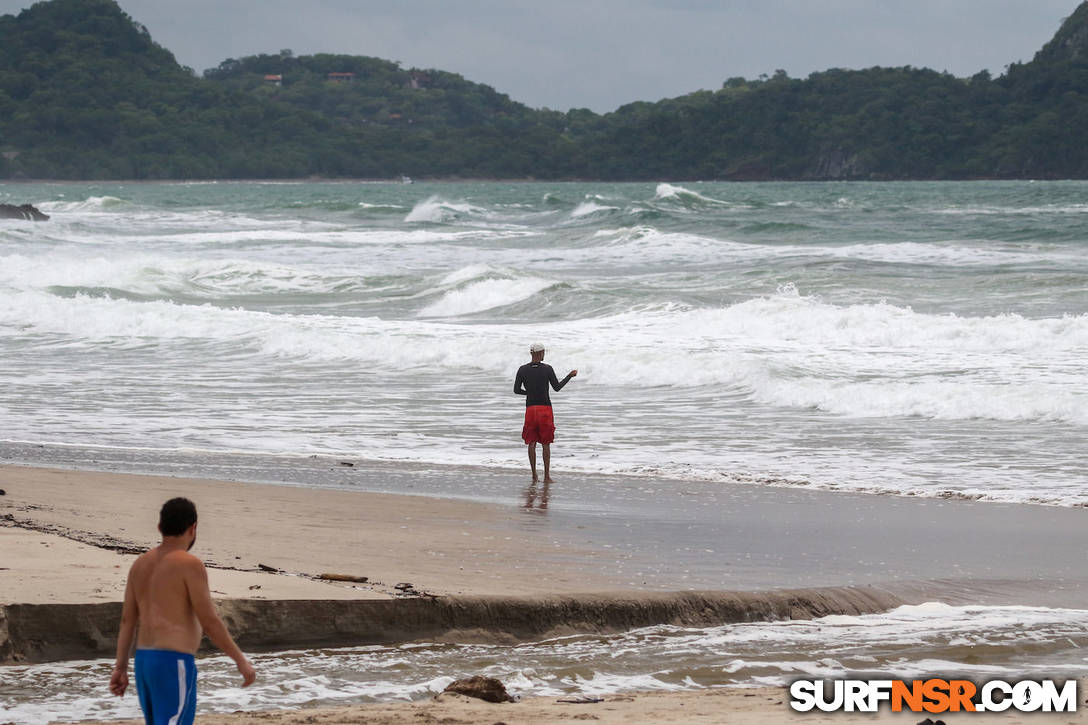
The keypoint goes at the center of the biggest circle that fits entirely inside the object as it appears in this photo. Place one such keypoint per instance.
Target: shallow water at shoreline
(909, 642)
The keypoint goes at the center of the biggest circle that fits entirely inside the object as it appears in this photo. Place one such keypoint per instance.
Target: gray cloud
(603, 53)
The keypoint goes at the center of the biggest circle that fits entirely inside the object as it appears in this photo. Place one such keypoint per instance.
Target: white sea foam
(365, 205)
(947, 253)
(785, 351)
(789, 317)
(327, 238)
(101, 321)
(651, 244)
(926, 640)
(992, 400)
(1044, 209)
(157, 275)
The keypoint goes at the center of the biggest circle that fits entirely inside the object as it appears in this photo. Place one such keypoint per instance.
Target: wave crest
(685, 197)
(437, 210)
(92, 203)
(479, 288)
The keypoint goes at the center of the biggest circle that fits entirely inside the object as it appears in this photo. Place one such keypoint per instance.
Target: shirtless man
(167, 595)
(532, 381)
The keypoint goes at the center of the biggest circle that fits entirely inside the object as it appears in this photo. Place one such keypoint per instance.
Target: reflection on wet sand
(536, 497)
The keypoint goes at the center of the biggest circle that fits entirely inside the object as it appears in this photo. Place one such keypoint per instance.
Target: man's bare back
(168, 608)
(160, 582)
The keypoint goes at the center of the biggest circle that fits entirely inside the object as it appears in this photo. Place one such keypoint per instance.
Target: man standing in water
(167, 595)
(532, 381)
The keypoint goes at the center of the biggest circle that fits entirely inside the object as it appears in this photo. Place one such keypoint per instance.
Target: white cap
(536, 347)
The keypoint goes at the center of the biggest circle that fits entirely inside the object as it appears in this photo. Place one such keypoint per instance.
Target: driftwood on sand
(343, 578)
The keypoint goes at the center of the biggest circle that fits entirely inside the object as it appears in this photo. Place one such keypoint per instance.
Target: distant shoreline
(287, 116)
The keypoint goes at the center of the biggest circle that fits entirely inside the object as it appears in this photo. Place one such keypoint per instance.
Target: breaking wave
(591, 207)
(90, 204)
(485, 290)
(436, 210)
(786, 350)
(685, 197)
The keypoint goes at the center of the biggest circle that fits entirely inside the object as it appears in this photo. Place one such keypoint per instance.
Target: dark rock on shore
(26, 212)
(484, 688)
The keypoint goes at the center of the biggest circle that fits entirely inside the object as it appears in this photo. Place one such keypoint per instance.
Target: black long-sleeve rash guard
(532, 381)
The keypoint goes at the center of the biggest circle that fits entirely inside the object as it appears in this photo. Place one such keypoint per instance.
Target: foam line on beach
(52, 632)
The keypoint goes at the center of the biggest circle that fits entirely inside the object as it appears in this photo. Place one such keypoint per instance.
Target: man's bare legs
(547, 461)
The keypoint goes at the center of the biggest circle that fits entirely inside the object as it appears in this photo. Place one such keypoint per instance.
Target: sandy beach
(442, 547)
(753, 537)
(68, 537)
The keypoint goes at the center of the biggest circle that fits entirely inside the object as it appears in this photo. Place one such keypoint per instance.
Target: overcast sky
(600, 54)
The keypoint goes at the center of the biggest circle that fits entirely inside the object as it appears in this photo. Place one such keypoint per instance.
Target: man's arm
(130, 615)
(519, 384)
(557, 385)
(200, 597)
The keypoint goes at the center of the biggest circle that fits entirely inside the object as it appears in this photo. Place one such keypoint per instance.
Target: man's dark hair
(176, 516)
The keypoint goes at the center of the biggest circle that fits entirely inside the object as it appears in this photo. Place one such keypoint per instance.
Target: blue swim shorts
(166, 685)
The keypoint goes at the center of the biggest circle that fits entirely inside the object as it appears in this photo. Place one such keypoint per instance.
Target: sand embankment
(42, 632)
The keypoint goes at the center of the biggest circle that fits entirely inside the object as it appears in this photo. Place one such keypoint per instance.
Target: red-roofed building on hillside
(273, 80)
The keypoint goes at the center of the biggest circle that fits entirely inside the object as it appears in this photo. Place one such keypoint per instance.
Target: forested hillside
(85, 93)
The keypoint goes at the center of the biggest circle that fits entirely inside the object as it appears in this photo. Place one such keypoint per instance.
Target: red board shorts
(539, 425)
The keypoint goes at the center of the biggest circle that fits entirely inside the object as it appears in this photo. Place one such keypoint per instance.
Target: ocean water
(903, 338)
(977, 643)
